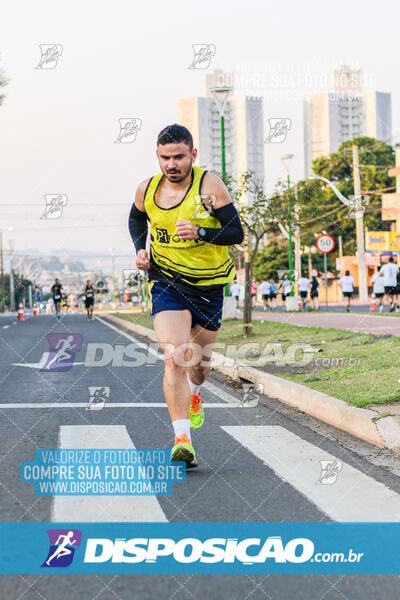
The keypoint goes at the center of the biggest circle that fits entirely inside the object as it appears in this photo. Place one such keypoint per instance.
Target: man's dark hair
(347, 273)
(174, 134)
(391, 259)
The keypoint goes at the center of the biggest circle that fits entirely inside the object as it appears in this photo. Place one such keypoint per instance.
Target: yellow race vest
(188, 262)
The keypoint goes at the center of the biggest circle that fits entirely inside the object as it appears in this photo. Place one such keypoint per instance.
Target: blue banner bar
(213, 548)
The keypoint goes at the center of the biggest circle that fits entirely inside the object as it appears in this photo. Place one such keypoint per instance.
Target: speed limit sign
(325, 243)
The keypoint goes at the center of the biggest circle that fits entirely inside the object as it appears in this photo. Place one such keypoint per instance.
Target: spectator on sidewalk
(264, 291)
(253, 291)
(379, 288)
(303, 284)
(285, 289)
(389, 273)
(272, 294)
(397, 297)
(314, 292)
(235, 291)
(347, 283)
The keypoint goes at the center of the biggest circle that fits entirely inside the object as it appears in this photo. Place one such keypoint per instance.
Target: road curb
(384, 433)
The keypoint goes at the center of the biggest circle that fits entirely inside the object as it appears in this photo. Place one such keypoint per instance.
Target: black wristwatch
(201, 232)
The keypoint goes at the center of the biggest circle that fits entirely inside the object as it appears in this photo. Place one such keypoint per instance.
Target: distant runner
(389, 272)
(379, 288)
(56, 290)
(347, 283)
(89, 292)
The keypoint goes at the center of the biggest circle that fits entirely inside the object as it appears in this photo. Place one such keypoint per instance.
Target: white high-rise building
(244, 128)
(343, 113)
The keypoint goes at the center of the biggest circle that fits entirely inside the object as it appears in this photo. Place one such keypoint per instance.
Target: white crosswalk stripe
(354, 497)
(102, 508)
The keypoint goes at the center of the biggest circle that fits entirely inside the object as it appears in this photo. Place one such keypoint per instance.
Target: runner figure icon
(62, 550)
(62, 346)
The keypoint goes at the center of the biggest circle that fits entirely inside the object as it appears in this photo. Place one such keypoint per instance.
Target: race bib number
(89, 295)
(57, 296)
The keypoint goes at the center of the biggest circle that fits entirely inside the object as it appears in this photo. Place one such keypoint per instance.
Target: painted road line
(41, 364)
(353, 497)
(42, 405)
(219, 393)
(131, 338)
(102, 508)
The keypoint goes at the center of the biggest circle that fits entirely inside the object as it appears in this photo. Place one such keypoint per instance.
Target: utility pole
(12, 297)
(113, 275)
(362, 274)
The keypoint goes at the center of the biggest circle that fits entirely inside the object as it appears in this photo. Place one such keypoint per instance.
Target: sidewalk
(362, 323)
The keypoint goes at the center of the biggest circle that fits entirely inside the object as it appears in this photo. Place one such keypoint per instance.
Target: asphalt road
(238, 479)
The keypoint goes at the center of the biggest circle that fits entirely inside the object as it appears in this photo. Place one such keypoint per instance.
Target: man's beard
(179, 177)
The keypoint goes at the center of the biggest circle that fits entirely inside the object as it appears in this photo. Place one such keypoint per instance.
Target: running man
(89, 292)
(264, 290)
(389, 272)
(57, 295)
(285, 288)
(347, 283)
(314, 292)
(235, 291)
(397, 291)
(62, 549)
(192, 223)
(379, 288)
(272, 293)
(303, 285)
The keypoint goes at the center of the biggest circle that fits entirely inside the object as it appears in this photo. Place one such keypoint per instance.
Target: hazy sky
(125, 59)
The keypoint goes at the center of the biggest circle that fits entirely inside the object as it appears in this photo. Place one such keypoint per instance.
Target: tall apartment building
(244, 128)
(343, 113)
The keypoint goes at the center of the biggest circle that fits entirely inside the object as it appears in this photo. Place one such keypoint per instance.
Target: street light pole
(112, 250)
(297, 241)
(223, 163)
(290, 237)
(289, 158)
(362, 274)
(220, 95)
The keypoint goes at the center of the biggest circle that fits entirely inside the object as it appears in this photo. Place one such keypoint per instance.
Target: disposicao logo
(62, 547)
(63, 347)
(191, 550)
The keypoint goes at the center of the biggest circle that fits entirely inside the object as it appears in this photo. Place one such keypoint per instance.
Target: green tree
(260, 215)
(267, 262)
(374, 157)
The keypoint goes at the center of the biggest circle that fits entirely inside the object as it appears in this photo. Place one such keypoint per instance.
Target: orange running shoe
(184, 451)
(196, 411)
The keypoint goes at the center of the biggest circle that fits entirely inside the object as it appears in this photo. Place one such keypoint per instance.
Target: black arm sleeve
(138, 227)
(231, 231)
